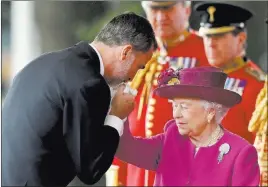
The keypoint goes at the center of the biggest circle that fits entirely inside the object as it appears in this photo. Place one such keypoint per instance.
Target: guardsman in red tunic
(259, 125)
(178, 48)
(223, 28)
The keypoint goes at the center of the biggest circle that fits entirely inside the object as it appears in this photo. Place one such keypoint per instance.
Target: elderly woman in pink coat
(194, 148)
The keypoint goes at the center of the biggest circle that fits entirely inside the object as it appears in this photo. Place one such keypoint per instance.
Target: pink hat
(205, 83)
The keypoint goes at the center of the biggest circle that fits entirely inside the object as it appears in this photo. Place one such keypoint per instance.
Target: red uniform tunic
(247, 79)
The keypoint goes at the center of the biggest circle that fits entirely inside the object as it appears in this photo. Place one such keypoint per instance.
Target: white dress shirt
(110, 120)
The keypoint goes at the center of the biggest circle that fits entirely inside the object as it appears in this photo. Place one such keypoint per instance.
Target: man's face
(222, 49)
(168, 22)
(139, 60)
(134, 61)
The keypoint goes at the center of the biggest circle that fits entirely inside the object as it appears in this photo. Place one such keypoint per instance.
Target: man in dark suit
(56, 118)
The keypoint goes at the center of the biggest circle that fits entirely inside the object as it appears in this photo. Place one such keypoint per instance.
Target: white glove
(129, 90)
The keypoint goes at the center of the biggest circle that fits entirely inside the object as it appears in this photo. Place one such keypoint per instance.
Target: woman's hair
(220, 110)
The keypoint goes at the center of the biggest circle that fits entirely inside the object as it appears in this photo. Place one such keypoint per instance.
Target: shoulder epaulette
(256, 72)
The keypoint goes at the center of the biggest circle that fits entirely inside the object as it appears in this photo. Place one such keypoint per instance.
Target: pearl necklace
(213, 138)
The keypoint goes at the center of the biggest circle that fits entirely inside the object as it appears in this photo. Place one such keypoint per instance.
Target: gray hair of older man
(220, 110)
(185, 3)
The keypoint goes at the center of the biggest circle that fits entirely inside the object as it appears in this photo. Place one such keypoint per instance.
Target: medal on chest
(235, 85)
(178, 62)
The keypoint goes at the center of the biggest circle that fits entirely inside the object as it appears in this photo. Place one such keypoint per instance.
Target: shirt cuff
(115, 122)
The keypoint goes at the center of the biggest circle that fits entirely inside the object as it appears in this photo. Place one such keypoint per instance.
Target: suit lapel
(84, 50)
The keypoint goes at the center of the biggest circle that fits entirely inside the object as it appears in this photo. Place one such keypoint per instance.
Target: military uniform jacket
(247, 79)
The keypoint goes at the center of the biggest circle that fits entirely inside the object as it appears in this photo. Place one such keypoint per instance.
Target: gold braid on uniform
(150, 72)
(259, 125)
(145, 74)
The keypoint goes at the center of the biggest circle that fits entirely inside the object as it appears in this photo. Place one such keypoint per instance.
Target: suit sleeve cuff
(115, 122)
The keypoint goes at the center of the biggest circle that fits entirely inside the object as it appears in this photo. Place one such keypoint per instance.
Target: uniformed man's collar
(164, 45)
(237, 63)
(100, 59)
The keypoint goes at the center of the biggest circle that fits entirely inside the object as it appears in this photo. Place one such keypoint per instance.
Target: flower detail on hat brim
(173, 81)
(169, 77)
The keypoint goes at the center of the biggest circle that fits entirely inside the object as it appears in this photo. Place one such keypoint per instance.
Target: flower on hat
(173, 81)
(169, 77)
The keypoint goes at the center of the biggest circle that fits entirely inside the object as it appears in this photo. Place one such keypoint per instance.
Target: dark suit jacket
(53, 121)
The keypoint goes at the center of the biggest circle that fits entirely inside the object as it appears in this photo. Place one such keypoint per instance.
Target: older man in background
(178, 48)
(224, 31)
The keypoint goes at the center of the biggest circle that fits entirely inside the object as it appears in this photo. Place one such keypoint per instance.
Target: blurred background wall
(30, 28)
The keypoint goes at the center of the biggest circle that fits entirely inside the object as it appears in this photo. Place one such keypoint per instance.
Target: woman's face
(190, 115)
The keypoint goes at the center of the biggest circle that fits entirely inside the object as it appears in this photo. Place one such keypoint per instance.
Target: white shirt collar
(100, 59)
(102, 69)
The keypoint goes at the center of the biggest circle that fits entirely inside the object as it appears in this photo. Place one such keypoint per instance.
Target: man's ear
(188, 11)
(126, 50)
(242, 38)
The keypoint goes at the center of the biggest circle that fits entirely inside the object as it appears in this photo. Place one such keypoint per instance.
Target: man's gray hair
(185, 3)
(220, 110)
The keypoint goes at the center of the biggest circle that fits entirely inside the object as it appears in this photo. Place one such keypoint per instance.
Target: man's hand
(122, 103)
